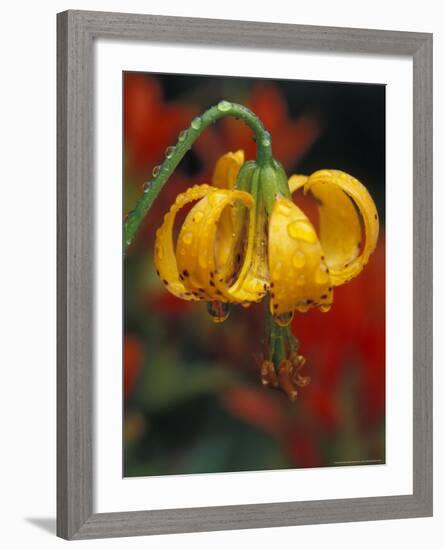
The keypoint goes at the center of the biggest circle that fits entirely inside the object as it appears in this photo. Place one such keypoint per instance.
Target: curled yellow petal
(251, 278)
(297, 181)
(299, 276)
(342, 199)
(164, 254)
(224, 177)
(202, 251)
(227, 169)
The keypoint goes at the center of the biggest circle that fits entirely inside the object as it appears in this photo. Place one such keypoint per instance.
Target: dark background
(193, 399)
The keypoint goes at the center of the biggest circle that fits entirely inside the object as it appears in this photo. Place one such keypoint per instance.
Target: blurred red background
(193, 398)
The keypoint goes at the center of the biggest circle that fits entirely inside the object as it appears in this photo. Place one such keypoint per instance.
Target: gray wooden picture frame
(76, 33)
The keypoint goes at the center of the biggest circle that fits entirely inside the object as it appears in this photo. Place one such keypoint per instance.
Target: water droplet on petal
(283, 209)
(224, 106)
(298, 259)
(156, 171)
(219, 311)
(283, 319)
(196, 123)
(246, 304)
(169, 151)
(203, 261)
(300, 281)
(325, 307)
(159, 251)
(302, 230)
(198, 217)
(187, 238)
(182, 135)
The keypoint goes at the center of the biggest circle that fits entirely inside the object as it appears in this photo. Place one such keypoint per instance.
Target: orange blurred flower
(292, 138)
(132, 362)
(150, 123)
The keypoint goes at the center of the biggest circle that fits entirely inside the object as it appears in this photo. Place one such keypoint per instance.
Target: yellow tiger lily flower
(237, 243)
(245, 238)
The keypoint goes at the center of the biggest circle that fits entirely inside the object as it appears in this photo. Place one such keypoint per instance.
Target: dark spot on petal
(265, 286)
(211, 283)
(185, 273)
(275, 306)
(322, 258)
(201, 289)
(165, 282)
(238, 258)
(376, 216)
(330, 288)
(271, 285)
(181, 277)
(157, 271)
(324, 296)
(272, 294)
(211, 274)
(308, 302)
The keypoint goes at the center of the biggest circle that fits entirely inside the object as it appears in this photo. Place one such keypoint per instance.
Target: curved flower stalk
(245, 240)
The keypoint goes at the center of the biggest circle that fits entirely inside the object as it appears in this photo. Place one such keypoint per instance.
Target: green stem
(281, 339)
(175, 154)
(276, 351)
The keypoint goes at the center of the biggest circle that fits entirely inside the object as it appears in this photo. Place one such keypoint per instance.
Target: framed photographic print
(244, 274)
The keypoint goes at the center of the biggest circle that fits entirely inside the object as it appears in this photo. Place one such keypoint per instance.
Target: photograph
(253, 274)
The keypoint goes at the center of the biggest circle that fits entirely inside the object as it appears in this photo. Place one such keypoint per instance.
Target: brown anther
(298, 361)
(268, 374)
(285, 379)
